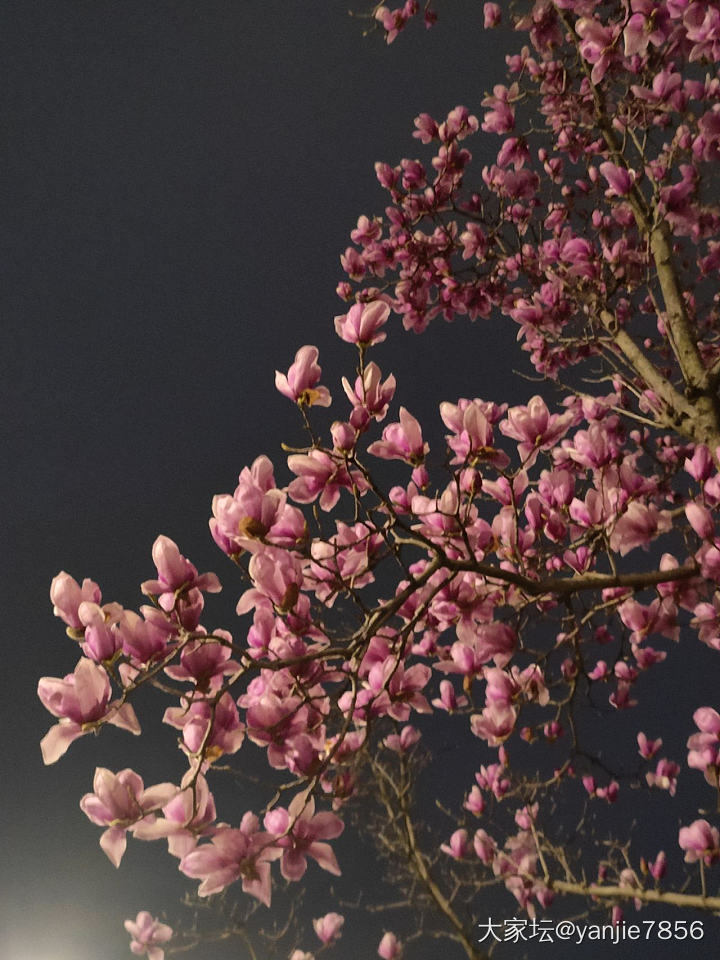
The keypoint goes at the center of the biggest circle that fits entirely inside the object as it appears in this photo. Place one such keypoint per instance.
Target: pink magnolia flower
(402, 742)
(227, 731)
(298, 832)
(204, 663)
(665, 776)
(100, 641)
(390, 948)
(448, 699)
(658, 866)
(363, 323)
(648, 748)
(175, 575)
(700, 841)
(328, 927)
(535, 428)
(67, 595)
(147, 933)
(119, 802)
(495, 724)
(401, 441)
(639, 525)
(277, 576)
(190, 814)
(704, 747)
(82, 702)
(492, 15)
(485, 847)
(620, 179)
(319, 474)
(300, 384)
(231, 854)
(458, 846)
(143, 639)
(256, 511)
(370, 396)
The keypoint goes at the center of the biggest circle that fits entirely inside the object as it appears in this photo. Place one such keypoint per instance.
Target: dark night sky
(179, 180)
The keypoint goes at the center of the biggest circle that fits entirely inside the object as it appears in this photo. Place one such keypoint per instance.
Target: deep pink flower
(492, 15)
(620, 179)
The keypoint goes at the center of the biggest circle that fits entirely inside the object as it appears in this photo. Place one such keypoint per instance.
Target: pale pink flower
(328, 928)
(390, 948)
(226, 735)
(231, 854)
(401, 441)
(82, 701)
(458, 847)
(535, 428)
(189, 815)
(67, 595)
(639, 525)
(370, 396)
(298, 832)
(147, 933)
(175, 575)
(119, 802)
(700, 841)
(665, 776)
(363, 323)
(704, 747)
(301, 383)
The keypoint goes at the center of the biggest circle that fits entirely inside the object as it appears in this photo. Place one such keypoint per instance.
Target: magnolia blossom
(82, 702)
(231, 854)
(704, 747)
(535, 428)
(67, 596)
(390, 948)
(147, 933)
(700, 841)
(121, 803)
(328, 928)
(363, 323)
(301, 383)
(401, 441)
(175, 575)
(299, 832)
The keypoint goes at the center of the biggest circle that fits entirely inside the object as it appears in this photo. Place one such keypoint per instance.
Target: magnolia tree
(529, 586)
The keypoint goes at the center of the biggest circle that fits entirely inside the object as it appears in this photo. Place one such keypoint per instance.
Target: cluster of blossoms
(558, 559)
